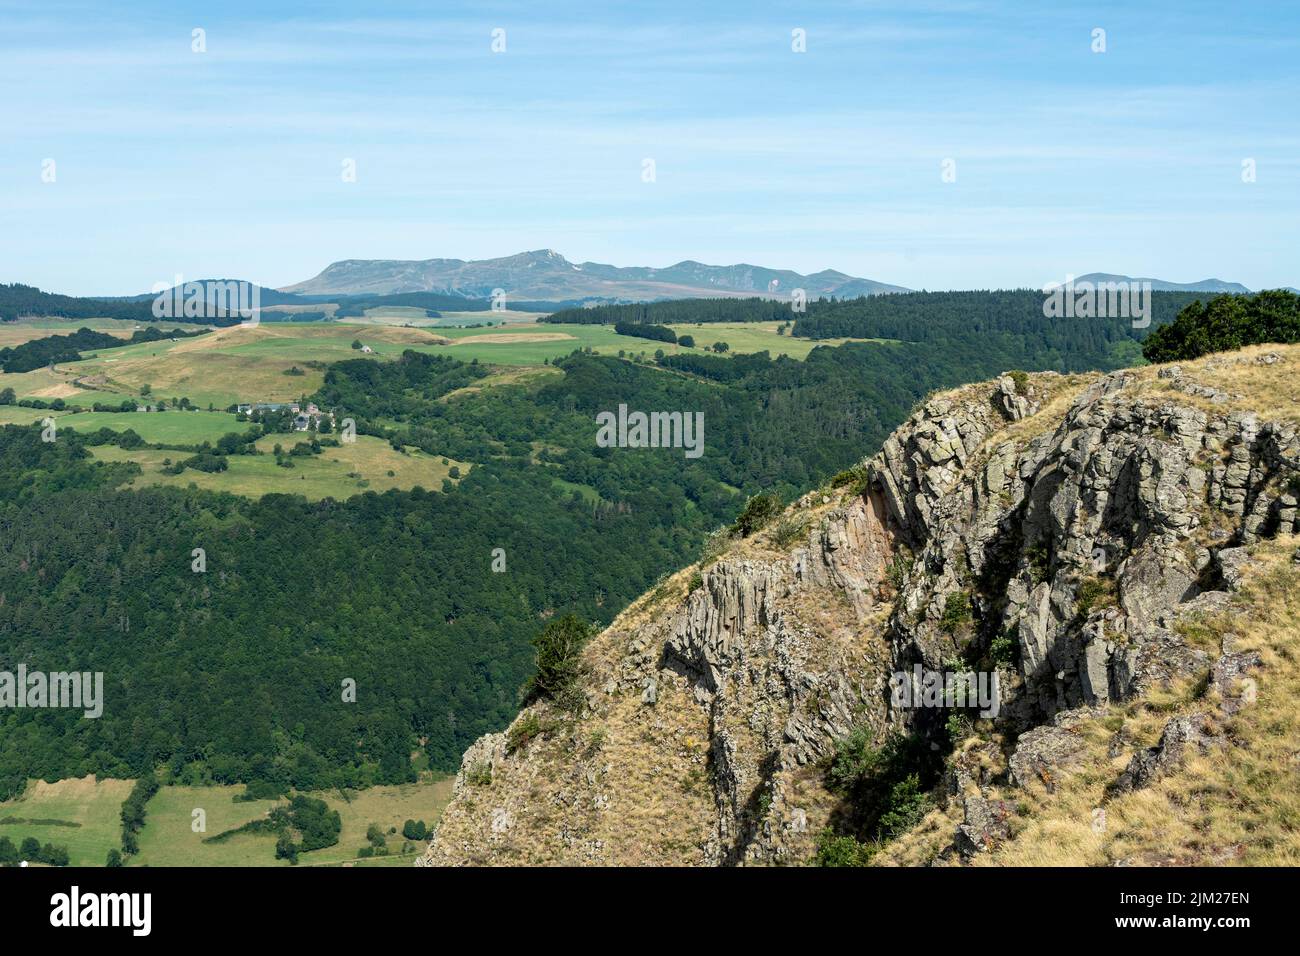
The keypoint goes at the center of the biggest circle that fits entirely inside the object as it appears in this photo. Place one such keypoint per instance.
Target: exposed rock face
(1181, 734)
(1061, 548)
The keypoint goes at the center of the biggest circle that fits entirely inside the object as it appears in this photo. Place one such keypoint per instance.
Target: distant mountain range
(1160, 285)
(547, 275)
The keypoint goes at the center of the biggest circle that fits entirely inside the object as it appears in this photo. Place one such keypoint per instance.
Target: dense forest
(937, 316)
(242, 672)
(646, 330)
(18, 300)
(1226, 322)
(676, 312)
(1008, 323)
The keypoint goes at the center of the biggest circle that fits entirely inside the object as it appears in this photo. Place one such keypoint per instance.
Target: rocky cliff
(1087, 539)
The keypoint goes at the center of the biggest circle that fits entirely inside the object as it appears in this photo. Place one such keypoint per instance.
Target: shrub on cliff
(559, 661)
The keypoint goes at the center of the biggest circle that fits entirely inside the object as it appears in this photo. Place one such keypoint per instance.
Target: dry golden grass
(1252, 386)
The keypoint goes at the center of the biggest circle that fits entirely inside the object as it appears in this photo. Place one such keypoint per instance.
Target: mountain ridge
(1163, 285)
(544, 274)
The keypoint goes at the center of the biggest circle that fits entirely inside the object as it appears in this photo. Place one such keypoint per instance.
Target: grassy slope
(335, 473)
(95, 805)
(168, 428)
(169, 840)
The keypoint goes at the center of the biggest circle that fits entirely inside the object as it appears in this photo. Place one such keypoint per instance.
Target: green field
(168, 428)
(407, 315)
(747, 337)
(93, 806)
(168, 838)
(85, 816)
(338, 473)
(282, 361)
(17, 415)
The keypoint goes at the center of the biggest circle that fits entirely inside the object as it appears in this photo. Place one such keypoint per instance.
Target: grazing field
(389, 807)
(338, 473)
(50, 384)
(169, 840)
(17, 415)
(24, 330)
(406, 315)
(280, 361)
(747, 337)
(283, 361)
(530, 343)
(166, 428)
(534, 343)
(83, 815)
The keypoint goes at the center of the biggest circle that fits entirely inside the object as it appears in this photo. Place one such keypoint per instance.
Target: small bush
(1004, 650)
(899, 568)
(1095, 592)
(854, 478)
(522, 731)
(956, 612)
(854, 758)
(714, 546)
(759, 512)
(907, 805)
(415, 830)
(788, 530)
(834, 850)
(559, 661)
(1039, 559)
(958, 728)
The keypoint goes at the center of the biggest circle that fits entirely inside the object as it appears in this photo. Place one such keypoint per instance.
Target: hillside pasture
(83, 815)
(166, 428)
(350, 469)
(168, 837)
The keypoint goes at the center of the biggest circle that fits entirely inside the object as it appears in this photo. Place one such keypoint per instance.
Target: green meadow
(83, 815)
(166, 428)
(169, 837)
(368, 464)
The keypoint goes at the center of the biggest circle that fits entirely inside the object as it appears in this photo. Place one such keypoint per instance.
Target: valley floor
(84, 816)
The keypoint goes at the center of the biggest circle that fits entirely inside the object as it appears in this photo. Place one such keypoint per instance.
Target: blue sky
(229, 162)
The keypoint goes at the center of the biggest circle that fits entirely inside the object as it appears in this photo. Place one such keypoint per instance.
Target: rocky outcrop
(1181, 734)
(1060, 549)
